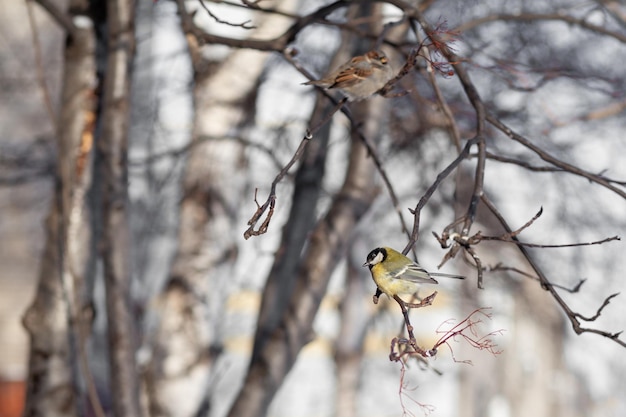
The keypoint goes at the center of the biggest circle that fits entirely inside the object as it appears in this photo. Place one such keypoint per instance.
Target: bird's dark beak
(366, 264)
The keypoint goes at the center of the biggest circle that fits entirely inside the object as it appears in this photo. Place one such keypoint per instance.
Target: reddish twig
(467, 329)
(426, 408)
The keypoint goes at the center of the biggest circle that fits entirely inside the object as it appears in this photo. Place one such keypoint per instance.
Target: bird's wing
(415, 273)
(351, 76)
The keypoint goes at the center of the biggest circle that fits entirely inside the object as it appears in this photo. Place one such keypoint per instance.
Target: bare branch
(429, 192)
(201, 139)
(553, 160)
(606, 302)
(529, 17)
(406, 68)
(523, 164)
(254, 5)
(548, 286)
(244, 25)
(478, 263)
(479, 237)
(482, 116)
(278, 44)
(116, 258)
(415, 349)
(453, 128)
(499, 267)
(271, 199)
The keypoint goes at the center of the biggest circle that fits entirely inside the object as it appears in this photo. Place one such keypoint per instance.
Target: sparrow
(359, 78)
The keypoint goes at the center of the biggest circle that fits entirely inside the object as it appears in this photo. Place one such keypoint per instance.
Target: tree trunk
(122, 341)
(327, 245)
(191, 306)
(302, 217)
(349, 345)
(307, 186)
(52, 386)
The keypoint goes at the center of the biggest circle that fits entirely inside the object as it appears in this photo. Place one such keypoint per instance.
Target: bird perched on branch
(359, 78)
(395, 274)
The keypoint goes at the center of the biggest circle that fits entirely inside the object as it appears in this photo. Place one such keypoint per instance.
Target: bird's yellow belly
(393, 286)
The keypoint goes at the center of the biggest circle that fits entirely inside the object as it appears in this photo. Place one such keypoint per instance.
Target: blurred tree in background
(207, 215)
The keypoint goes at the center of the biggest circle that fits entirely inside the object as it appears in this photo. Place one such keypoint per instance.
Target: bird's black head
(375, 256)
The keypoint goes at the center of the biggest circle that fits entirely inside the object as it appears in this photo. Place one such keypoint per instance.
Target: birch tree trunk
(69, 251)
(191, 306)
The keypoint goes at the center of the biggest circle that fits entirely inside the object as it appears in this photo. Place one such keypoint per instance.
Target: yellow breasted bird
(395, 274)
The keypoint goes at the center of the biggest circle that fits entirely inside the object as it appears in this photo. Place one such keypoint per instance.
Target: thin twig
(406, 68)
(271, 198)
(453, 127)
(598, 179)
(523, 164)
(479, 266)
(278, 44)
(606, 302)
(255, 6)
(183, 150)
(244, 25)
(548, 286)
(530, 17)
(270, 203)
(460, 329)
(429, 192)
(537, 245)
(499, 267)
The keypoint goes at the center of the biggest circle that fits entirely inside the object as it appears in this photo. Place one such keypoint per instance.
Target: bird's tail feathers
(444, 275)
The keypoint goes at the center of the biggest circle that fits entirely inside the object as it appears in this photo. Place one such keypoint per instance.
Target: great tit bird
(395, 274)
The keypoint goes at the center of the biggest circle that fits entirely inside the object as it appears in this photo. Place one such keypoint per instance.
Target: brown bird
(359, 78)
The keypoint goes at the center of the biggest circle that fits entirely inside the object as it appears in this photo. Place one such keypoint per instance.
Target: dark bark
(327, 245)
(116, 245)
(307, 187)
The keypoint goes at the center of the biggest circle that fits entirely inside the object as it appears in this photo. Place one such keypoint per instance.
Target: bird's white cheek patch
(377, 259)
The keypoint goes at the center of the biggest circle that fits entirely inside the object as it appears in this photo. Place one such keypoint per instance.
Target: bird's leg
(378, 294)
